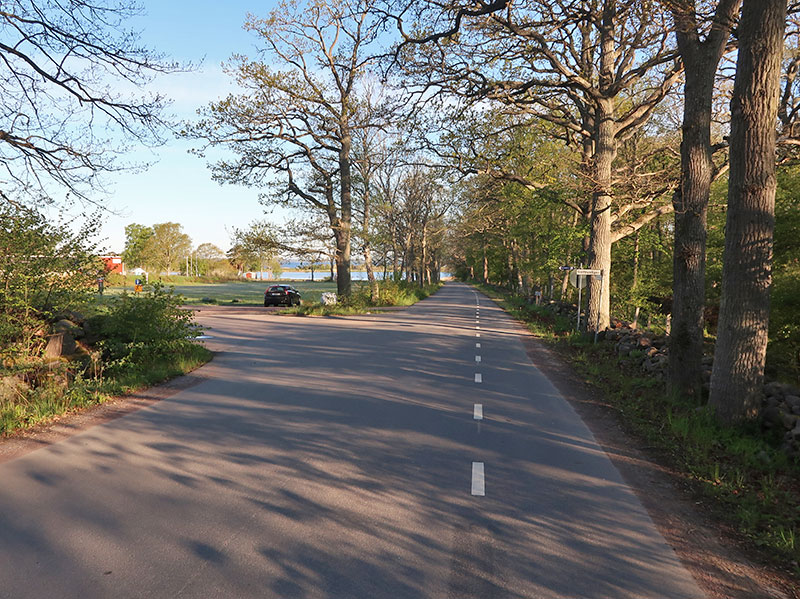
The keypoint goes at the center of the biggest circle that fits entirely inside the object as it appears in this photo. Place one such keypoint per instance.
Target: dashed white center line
(478, 479)
(478, 377)
(477, 345)
(477, 327)
(477, 358)
(477, 334)
(477, 412)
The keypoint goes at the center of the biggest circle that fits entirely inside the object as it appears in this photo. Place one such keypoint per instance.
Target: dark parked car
(281, 294)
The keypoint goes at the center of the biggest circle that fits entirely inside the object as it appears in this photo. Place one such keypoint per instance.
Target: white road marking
(478, 377)
(477, 345)
(478, 328)
(478, 479)
(477, 358)
(477, 334)
(477, 412)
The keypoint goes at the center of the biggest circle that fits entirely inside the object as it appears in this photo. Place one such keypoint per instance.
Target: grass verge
(748, 482)
(390, 293)
(59, 392)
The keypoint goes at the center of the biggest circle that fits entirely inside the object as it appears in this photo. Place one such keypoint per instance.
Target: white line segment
(478, 377)
(477, 345)
(477, 358)
(477, 412)
(478, 479)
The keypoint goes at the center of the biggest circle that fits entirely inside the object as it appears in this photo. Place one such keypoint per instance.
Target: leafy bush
(45, 269)
(139, 330)
(390, 293)
(783, 351)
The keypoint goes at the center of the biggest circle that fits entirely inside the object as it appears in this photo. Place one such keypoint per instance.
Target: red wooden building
(114, 264)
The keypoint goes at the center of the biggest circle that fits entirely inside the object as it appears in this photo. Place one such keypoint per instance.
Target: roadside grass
(121, 345)
(242, 293)
(390, 293)
(740, 472)
(61, 391)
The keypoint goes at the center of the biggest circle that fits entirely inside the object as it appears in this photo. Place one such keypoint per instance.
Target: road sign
(565, 267)
(588, 271)
(575, 280)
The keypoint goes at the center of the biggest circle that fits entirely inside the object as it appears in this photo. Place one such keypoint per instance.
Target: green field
(242, 293)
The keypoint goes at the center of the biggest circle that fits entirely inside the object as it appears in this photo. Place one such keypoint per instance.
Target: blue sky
(178, 187)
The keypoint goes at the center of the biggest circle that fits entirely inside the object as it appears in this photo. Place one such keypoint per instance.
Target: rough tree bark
(598, 313)
(701, 59)
(738, 373)
(345, 222)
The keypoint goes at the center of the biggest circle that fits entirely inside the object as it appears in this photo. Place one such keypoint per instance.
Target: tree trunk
(423, 267)
(636, 245)
(485, 265)
(373, 285)
(598, 316)
(517, 277)
(691, 198)
(737, 377)
(396, 274)
(343, 280)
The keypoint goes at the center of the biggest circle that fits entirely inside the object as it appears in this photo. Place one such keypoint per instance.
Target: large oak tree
(738, 373)
(299, 111)
(702, 42)
(595, 69)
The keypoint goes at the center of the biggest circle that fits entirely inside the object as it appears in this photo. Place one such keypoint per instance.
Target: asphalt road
(338, 458)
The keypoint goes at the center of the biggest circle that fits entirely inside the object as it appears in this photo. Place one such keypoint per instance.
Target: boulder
(654, 365)
(789, 420)
(772, 416)
(793, 401)
(777, 389)
(616, 323)
(68, 327)
(60, 344)
(74, 316)
(12, 388)
(624, 349)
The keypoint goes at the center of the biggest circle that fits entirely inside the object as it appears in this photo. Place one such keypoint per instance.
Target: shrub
(139, 330)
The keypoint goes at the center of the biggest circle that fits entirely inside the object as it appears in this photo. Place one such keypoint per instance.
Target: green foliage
(136, 239)
(140, 330)
(45, 270)
(390, 293)
(256, 248)
(167, 247)
(783, 351)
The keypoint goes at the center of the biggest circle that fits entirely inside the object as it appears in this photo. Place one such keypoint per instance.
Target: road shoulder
(711, 554)
(67, 425)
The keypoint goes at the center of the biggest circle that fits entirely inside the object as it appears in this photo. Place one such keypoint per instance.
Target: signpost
(577, 277)
(589, 272)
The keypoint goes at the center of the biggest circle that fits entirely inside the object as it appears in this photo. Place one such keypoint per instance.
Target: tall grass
(390, 293)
